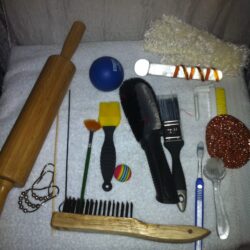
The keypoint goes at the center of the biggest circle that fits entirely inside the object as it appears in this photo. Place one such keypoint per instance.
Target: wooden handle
(5, 187)
(129, 227)
(73, 39)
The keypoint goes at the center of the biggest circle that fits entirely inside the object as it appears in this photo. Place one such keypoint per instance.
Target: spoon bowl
(214, 170)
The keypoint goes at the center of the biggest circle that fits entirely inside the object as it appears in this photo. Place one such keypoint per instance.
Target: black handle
(108, 157)
(174, 148)
(161, 174)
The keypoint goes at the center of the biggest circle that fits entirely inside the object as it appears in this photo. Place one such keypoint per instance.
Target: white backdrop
(47, 21)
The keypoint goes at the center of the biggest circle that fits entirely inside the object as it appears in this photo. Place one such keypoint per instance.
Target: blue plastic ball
(106, 73)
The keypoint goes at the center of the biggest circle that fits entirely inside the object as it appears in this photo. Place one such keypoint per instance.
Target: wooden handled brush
(26, 138)
(128, 227)
(115, 218)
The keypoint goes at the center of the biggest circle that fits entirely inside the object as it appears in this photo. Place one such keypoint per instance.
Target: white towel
(33, 231)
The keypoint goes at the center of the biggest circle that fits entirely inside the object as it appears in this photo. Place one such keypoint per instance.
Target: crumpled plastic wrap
(180, 43)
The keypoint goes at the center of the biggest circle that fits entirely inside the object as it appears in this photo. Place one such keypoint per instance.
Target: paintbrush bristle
(169, 107)
(92, 125)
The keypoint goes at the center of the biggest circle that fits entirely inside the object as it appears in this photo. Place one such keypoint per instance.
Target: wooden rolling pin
(26, 138)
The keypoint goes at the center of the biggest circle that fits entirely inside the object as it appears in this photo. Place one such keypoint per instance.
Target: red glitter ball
(228, 138)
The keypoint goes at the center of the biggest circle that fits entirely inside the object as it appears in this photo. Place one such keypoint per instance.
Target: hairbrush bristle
(140, 106)
(129, 102)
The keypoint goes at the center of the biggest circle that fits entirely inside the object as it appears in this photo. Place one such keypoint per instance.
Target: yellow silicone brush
(109, 118)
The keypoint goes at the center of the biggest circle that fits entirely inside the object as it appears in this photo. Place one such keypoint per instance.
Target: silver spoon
(215, 171)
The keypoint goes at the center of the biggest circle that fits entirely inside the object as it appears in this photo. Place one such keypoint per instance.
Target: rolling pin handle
(73, 39)
(5, 187)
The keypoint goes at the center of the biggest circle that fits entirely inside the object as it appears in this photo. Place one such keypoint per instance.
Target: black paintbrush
(141, 109)
(173, 142)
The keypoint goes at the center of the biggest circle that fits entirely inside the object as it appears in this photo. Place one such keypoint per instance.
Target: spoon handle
(221, 216)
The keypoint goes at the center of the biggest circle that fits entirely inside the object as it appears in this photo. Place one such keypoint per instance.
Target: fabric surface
(4, 46)
(47, 22)
(33, 231)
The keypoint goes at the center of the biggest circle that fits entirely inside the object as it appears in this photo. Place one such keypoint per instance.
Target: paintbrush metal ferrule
(171, 130)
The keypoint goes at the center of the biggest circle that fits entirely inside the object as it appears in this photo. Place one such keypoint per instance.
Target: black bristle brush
(173, 142)
(116, 218)
(141, 109)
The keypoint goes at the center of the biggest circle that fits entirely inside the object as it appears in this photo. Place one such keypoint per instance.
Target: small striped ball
(122, 173)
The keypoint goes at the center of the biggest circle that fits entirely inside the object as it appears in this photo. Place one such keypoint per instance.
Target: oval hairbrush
(228, 138)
